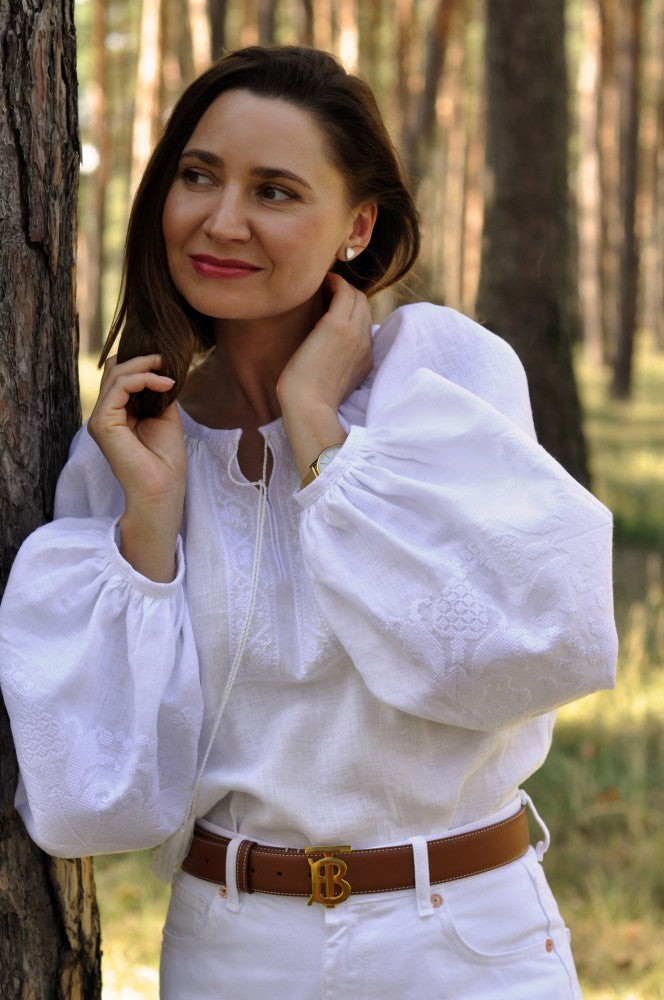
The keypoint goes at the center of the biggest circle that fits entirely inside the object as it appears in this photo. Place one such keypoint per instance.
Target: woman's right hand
(149, 460)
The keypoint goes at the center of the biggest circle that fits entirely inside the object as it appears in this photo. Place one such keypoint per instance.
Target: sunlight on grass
(628, 446)
(133, 906)
(601, 790)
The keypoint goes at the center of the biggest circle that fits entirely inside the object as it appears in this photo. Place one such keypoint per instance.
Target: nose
(227, 218)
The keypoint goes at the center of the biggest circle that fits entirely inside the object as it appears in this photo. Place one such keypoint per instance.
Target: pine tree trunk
(658, 278)
(588, 188)
(417, 146)
(524, 274)
(217, 14)
(267, 21)
(49, 927)
(651, 180)
(629, 255)
(147, 105)
(96, 256)
(370, 18)
(609, 159)
(453, 89)
(201, 35)
(474, 184)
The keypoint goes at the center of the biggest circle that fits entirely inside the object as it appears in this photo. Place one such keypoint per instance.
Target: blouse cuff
(119, 565)
(335, 470)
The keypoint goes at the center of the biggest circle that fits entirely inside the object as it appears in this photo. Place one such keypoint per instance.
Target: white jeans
(494, 936)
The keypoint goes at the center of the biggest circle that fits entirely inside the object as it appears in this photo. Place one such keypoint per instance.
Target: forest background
(428, 62)
(571, 272)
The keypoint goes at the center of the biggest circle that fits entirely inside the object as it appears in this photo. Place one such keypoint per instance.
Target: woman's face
(257, 212)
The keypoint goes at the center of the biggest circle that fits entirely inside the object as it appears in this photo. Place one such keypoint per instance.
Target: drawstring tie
(542, 846)
(168, 858)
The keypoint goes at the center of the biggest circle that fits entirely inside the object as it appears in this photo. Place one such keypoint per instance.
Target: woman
(329, 599)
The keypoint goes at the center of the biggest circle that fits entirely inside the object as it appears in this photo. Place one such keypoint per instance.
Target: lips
(226, 268)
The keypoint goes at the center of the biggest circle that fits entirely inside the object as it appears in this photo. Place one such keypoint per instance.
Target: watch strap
(314, 468)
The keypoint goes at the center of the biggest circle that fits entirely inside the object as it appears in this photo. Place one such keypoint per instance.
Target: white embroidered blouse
(421, 609)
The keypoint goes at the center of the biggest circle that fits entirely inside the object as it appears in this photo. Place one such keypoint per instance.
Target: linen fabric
(422, 609)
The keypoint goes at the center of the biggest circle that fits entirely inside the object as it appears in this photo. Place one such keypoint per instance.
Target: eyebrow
(265, 173)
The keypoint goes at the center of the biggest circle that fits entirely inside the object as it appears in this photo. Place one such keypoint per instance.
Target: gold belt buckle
(328, 885)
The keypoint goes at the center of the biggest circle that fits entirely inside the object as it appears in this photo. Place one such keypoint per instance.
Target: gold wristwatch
(321, 463)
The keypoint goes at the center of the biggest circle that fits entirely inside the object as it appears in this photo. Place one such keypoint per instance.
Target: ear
(363, 221)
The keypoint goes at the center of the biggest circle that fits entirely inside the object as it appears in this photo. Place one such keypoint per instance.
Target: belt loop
(422, 880)
(542, 846)
(232, 888)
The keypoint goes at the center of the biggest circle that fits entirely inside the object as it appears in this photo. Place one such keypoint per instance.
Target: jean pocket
(189, 908)
(502, 916)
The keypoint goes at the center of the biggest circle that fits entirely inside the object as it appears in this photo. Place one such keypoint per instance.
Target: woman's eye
(193, 177)
(271, 192)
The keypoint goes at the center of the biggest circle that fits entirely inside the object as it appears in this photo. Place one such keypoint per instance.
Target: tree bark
(217, 14)
(524, 275)
(651, 188)
(589, 215)
(417, 145)
(629, 254)
(453, 90)
(49, 927)
(658, 276)
(474, 207)
(608, 165)
(267, 21)
(96, 256)
(148, 90)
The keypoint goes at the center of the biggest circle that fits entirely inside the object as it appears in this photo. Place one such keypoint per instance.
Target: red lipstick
(226, 268)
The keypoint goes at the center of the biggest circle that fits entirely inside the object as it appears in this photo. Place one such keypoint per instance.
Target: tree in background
(630, 58)
(49, 928)
(424, 58)
(524, 293)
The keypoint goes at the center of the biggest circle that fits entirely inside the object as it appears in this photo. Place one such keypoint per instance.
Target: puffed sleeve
(466, 573)
(100, 678)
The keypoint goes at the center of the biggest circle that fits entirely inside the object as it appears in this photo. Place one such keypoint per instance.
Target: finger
(118, 392)
(141, 363)
(114, 370)
(352, 303)
(132, 382)
(361, 314)
(343, 296)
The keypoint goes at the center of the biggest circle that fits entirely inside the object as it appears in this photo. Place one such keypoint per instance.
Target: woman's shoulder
(456, 348)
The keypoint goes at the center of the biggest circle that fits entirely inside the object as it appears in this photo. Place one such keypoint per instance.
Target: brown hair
(152, 316)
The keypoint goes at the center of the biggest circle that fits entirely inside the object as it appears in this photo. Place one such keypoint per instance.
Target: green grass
(627, 438)
(601, 791)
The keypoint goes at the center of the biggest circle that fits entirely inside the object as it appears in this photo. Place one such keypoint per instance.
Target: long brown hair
(152, 316)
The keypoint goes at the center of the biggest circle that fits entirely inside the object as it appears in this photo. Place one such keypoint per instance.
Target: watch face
(327, 456)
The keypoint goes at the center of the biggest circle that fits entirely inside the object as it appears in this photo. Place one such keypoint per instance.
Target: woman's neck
(236, 384)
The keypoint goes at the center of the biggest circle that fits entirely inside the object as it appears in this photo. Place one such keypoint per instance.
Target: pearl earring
(350, 253)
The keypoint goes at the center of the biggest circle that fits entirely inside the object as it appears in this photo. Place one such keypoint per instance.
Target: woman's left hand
(331, 361)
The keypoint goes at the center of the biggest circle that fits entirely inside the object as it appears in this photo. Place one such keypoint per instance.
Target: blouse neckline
(230, 434)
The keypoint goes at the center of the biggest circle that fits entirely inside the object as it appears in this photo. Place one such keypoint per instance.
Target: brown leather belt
(286, 871)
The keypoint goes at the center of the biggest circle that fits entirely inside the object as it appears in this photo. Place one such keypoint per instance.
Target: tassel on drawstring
(168, 858)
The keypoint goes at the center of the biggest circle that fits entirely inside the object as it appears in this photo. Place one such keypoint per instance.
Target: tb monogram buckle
(327, 876)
